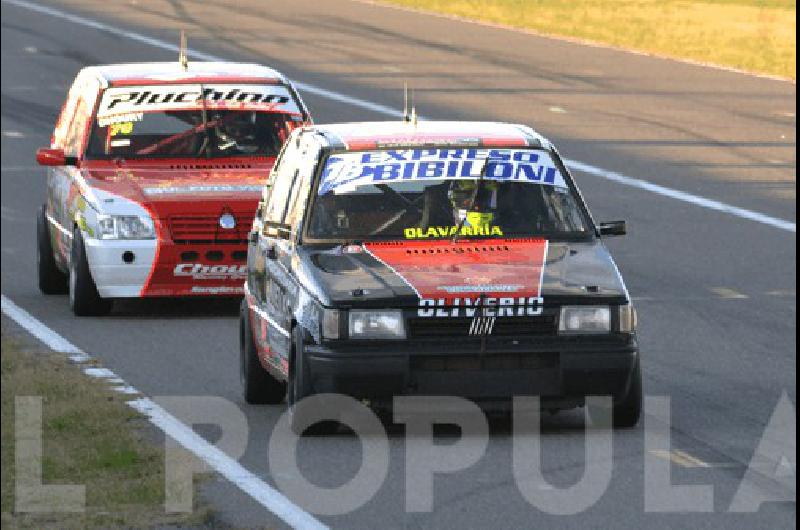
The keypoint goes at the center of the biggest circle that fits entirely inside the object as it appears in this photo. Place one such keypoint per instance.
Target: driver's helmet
(237, 130)
(484, 209)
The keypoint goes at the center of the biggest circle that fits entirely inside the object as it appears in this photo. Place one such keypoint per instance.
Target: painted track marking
(619, 178)
(267, 496)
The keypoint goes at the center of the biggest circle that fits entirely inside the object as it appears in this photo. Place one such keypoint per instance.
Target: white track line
(709, 204)
(664, 191)
(261, 492)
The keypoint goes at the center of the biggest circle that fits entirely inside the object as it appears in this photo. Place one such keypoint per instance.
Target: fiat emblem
(227, 221)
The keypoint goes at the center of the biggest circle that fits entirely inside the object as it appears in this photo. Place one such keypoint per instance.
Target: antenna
(409, 109)
(405, 101)
(183, 59)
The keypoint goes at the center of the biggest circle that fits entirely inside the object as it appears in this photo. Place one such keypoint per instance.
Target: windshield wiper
(471, 200)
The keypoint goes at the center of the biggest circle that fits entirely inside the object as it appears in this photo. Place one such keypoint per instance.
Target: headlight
(376, 325)
(125, 227)
(585, 319)
(627, 319)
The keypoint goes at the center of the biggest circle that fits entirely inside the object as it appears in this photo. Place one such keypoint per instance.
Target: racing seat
(436, 209)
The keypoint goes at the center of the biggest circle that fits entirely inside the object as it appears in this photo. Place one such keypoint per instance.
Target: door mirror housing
(47, 156)
(277, 230)
(612, 228)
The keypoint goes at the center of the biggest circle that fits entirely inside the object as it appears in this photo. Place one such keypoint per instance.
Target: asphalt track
(716, 293)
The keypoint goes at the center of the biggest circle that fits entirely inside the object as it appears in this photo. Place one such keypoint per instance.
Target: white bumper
(113, 276)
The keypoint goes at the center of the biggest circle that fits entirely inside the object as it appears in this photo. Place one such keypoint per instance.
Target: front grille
(199, 229)
(468, 363)
(544, 325)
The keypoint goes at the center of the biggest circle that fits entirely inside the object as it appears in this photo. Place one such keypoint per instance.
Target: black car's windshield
(439, 193)
(192, 121)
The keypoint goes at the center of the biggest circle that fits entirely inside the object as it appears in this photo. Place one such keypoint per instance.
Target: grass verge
(754, 35)
(89, 436)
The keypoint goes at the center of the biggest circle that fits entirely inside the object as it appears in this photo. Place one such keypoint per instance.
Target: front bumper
(114, 277)
(557, 370)
(160, 268)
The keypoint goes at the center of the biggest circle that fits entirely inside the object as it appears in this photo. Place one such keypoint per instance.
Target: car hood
(406, 273)
(185, 188)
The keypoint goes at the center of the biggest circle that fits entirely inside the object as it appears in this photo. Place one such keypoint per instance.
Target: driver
(484, 209)
(237, 132)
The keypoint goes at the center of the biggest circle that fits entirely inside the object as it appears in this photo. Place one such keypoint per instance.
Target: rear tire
(259, 387)
(83, 296)
(51, 279)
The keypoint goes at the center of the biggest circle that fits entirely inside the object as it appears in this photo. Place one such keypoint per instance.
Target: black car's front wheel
(300, 387)
(628, 410)
(83, 296)
(259, 387)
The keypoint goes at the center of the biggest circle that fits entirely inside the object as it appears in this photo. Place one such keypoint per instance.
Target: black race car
(433, 258)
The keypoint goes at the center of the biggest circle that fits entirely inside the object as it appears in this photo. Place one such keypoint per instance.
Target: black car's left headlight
(381, 324)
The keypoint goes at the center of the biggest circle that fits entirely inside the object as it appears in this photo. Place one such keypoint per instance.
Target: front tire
(51, 279)
(300, 387)
(84, 300)
(259, 387)
(628, 411)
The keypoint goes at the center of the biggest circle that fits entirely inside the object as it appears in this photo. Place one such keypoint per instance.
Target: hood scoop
(334, 263)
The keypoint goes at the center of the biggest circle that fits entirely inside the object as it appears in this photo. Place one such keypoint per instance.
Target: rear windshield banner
(345, 172)
(127, 100)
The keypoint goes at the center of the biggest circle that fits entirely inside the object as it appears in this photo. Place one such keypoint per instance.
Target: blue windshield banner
(345, 172)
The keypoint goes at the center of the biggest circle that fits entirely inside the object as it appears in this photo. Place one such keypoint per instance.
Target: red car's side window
(73, 142)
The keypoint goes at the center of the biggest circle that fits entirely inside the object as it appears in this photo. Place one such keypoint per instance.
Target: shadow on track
(176, 308)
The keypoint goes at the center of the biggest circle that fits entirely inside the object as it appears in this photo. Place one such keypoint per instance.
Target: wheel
(625, 411)
(51, 279)
(259, 387)
(83, 296)
(629, 409)
(300, 387)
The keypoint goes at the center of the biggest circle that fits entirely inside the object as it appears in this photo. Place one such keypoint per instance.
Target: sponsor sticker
(200, 271)
(483, 306)
(345, 172)
(449, 231)
(219, 188)
(469, 279)
(127, 100)
(120, 118)
(223, 289)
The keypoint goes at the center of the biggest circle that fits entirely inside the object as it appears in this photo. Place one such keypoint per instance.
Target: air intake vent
(544, 325)
(470, 249)
(210, 166)
(199, 229)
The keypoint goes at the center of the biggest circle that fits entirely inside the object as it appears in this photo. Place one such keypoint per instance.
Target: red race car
(155, 173)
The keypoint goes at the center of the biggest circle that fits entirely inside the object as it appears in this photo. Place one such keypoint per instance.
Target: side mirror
(612, 228)
(277, 230)
(46, 156)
